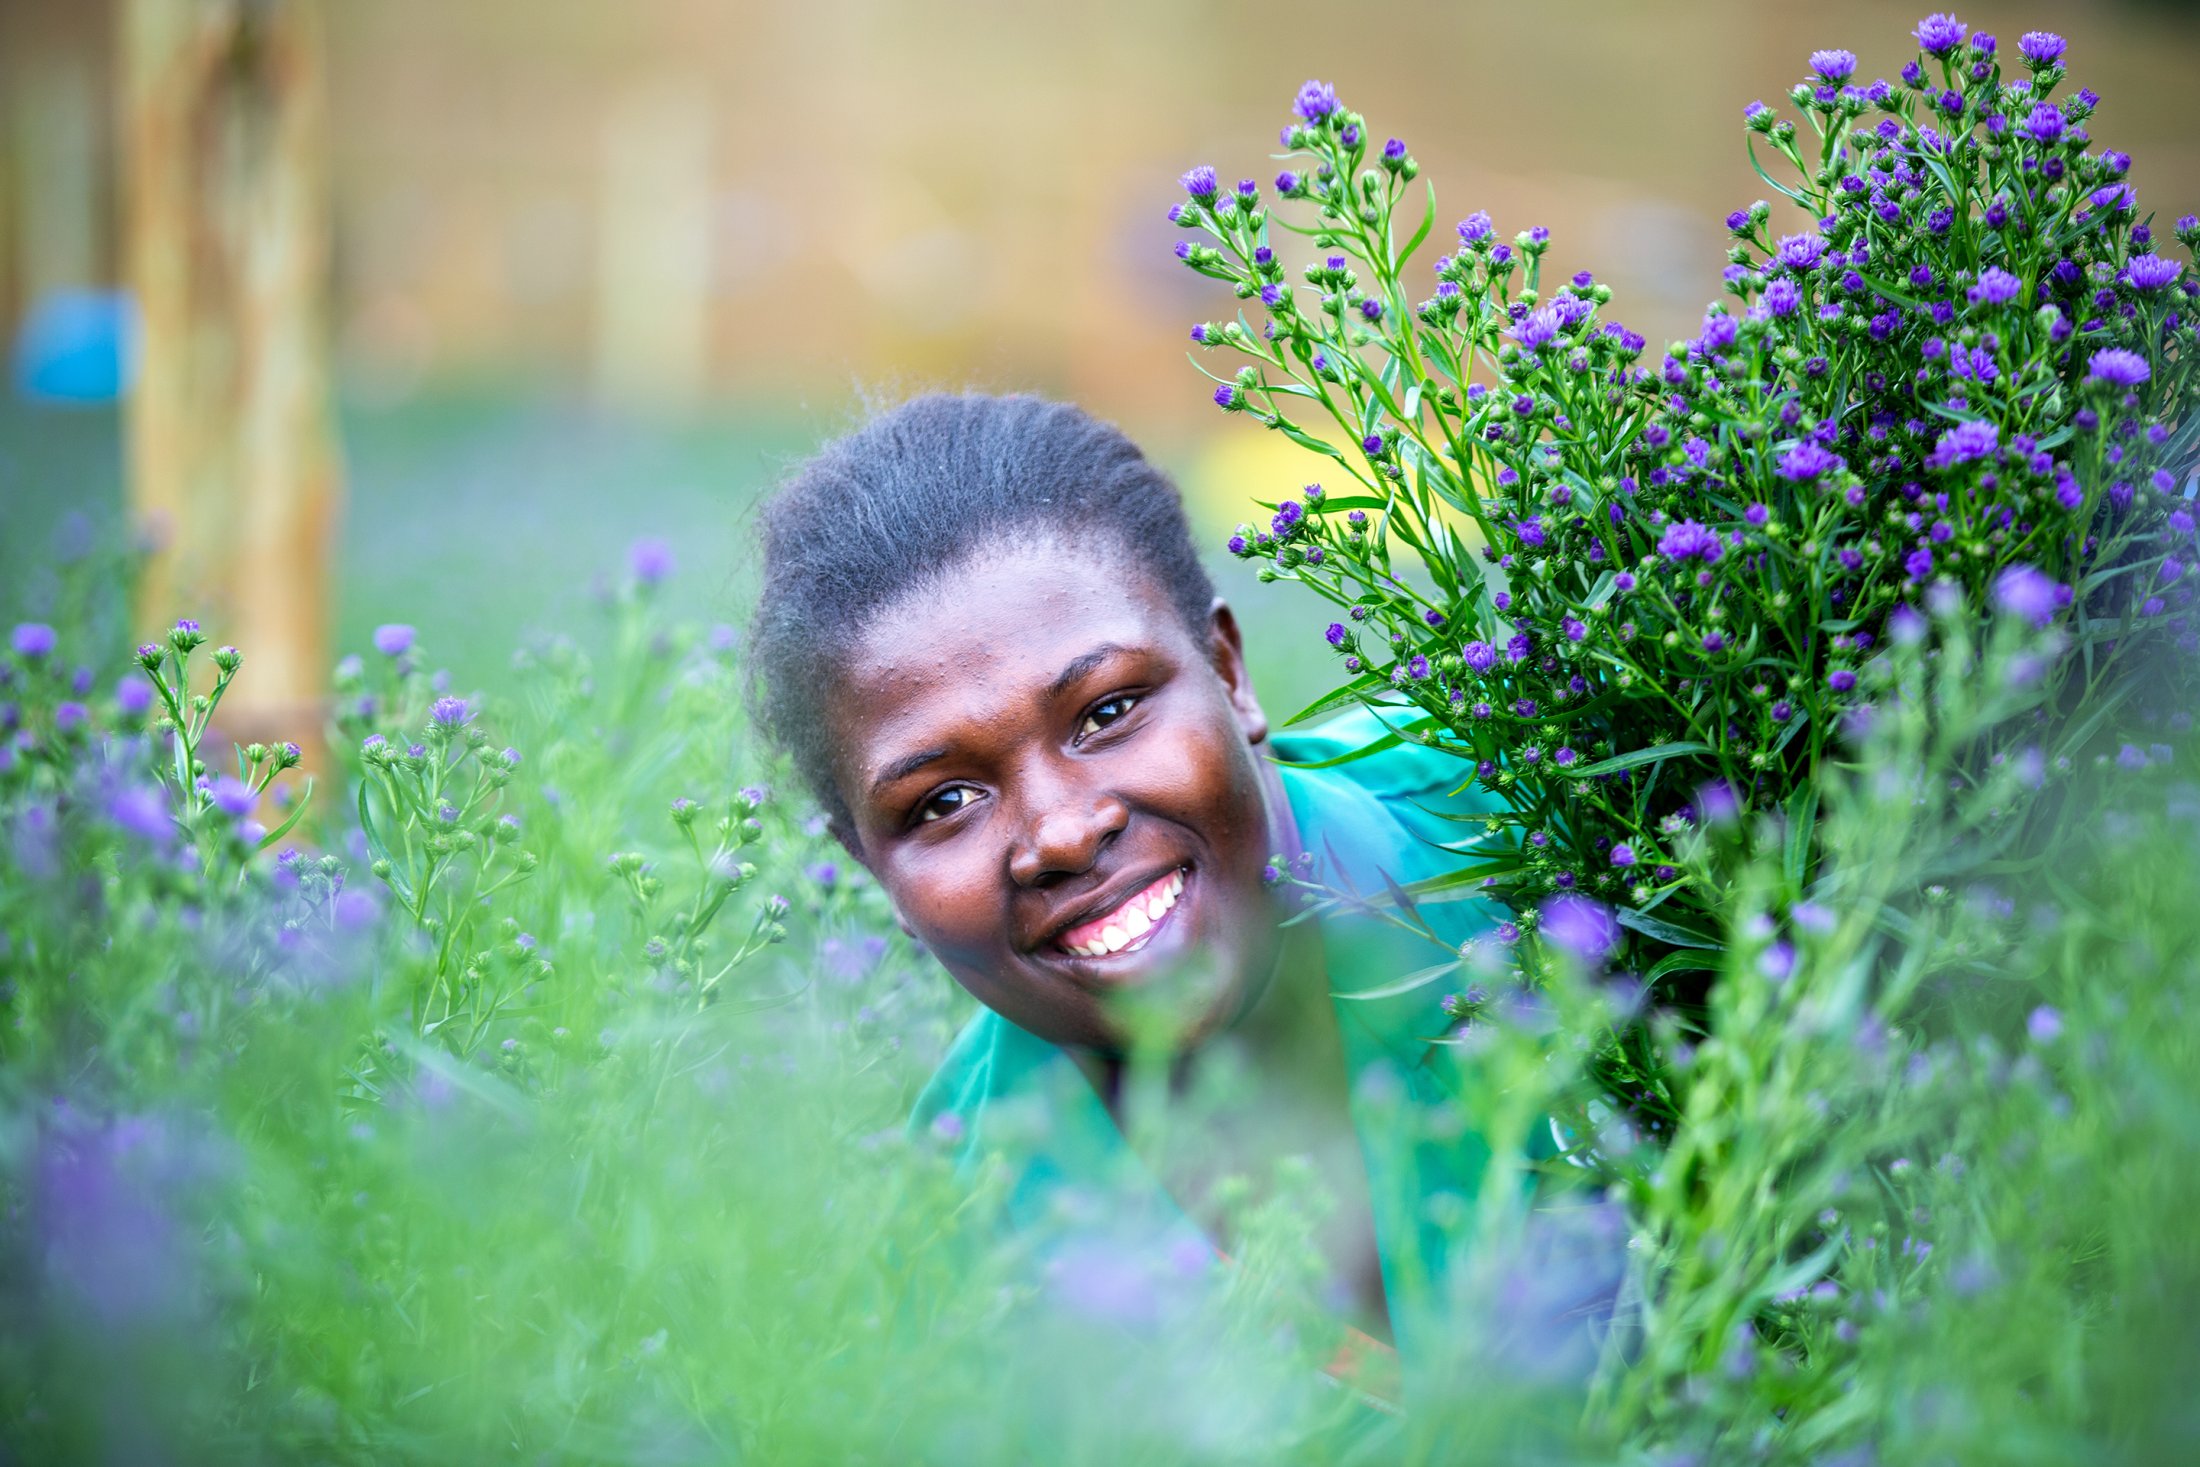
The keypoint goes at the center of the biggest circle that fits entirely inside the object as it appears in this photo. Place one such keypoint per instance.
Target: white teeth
(1132, 921)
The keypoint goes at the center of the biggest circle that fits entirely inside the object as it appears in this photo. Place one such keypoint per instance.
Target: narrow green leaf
(1687, 960)
(1802, 825)
(1664, 931)
(1330, 702)
(1420, 978)
(1635, 758)
(1428, 219)
(295, 815)
(1387, 741)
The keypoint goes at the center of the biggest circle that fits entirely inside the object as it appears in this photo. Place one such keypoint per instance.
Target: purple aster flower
(649, 560)
(1235, 545)
(1939, 33)
(2118, 367)
(2117, 198)
(233, 797)
(1963, 443)
(393, 639)
(1687, 540)
(34, 639)
(1918, 563)
(2152, 272)
(70, 716)
(1287, 183)
(1835, 66)
(1782, 297)
(1581, 928)
(2044, 124)
(1287, 516)
(1315, 101)
(2023, 591)
(134, 696)
(1226, 397)
(1372, 309)
(1995, 287)
(1480, 656)
(2041, 48)
(1475, 228)
(451, 712)
(1418, 667)
(2132, 757)
(1757, 514)
(1395, 150)
(1335, 634)
(1537, 329)
(1808, 461)
(2044, 1025)
(1802, 252)
(1623, 854)
(1200, 184)
(1841, 680)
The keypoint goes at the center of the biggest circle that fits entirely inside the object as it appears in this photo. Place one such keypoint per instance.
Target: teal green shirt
(1001, 1089)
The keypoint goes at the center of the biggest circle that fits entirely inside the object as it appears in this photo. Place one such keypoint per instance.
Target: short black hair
(918, 489)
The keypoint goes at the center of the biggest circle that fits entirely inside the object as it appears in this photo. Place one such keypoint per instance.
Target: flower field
(528, 1081)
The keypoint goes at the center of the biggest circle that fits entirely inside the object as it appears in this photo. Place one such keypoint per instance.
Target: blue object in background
(77, 346)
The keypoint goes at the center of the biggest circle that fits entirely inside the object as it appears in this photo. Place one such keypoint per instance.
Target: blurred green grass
(482, 518)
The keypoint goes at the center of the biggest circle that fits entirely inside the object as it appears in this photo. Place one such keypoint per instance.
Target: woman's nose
(1064, 836)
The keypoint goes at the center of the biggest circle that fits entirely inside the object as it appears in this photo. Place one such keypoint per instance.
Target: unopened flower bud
(228, 659)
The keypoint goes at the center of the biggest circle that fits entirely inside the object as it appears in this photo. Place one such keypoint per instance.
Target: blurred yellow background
(682, 213)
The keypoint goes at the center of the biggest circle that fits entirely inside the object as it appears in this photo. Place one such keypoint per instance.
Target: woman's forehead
(993, 637)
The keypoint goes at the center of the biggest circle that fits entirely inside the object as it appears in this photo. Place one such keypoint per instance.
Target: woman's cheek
(944, 896)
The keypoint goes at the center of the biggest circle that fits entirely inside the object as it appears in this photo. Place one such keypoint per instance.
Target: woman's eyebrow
(903, 767)
(1081, 664)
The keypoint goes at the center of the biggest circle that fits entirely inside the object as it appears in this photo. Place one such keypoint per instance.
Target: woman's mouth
(1131, 925)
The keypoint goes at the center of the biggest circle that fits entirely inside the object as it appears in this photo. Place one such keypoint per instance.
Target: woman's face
(1055, 783)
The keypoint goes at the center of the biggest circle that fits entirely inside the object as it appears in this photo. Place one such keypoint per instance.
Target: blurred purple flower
(2024, 592)
(33, 639)
(649, 560)
(141, 810)
(393, 639)
(1583, 928)
(233, 797)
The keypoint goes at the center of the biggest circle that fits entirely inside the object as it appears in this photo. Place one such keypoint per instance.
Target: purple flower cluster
(1941, 386)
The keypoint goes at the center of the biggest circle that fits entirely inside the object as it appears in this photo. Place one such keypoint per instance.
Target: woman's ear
(1226, 652)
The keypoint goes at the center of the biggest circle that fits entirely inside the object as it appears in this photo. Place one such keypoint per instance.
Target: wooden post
(230, 443)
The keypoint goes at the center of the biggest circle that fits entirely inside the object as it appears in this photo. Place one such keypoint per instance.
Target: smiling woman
(988, 644)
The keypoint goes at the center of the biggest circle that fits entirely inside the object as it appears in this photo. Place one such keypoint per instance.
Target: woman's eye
(1104, 713)
(945, 803)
